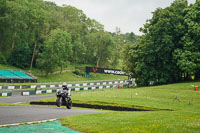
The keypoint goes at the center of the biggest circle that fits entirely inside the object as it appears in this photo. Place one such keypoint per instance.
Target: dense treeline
(169, 49)
(35, 33)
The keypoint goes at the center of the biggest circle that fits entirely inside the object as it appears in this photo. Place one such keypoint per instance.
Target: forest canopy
(37, 33)
(40, 34)
(169, 49)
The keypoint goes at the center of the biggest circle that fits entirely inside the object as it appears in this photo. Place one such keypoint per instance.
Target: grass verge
(179, 97)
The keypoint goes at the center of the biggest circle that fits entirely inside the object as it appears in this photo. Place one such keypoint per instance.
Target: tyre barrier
(42, 86)
(5, 94)
(72, 89)
(28, 93)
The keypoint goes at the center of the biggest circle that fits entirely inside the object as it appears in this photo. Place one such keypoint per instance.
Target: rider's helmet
(64, 85)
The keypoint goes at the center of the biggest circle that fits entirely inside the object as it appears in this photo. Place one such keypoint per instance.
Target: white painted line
(16, 124)
(17, 102)
(44, 121)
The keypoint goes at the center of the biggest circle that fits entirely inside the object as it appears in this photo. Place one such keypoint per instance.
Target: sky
(128, 15)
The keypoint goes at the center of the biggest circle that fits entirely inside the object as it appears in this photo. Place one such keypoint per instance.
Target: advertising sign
(104, 70)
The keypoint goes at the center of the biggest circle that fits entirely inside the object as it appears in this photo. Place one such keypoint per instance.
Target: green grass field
(181, 98)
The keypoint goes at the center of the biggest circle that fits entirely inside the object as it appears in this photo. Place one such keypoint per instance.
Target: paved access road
(21, 114)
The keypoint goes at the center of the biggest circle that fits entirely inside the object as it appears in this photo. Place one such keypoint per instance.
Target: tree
(3, 7)
(104, 46)
(31, 22)
(56, 51)
(152, 56)
(26, 17)
(90, 41)
(188, 56)
(20, 56)
(119, 41)
(131, 37)
(76, 24)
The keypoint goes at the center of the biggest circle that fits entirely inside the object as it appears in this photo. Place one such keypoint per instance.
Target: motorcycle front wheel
(69, 104)
(59, 101)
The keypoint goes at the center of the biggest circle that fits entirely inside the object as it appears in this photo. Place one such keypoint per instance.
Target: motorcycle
(64, 98)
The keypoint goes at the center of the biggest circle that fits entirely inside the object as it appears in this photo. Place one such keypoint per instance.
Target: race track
(21, 114)
(21, 99)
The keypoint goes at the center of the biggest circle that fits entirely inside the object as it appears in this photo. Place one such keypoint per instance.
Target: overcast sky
(128, 15)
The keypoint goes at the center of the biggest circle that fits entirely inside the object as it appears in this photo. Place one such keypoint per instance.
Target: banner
(104, 70)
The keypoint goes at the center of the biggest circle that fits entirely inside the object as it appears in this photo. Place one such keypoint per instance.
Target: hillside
(68, 75)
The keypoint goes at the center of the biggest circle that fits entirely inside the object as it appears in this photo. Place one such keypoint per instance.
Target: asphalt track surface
(22, 114)
(17, 98)
(21, 99)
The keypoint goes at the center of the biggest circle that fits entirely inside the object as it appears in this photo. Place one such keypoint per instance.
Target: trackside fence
(75, 86)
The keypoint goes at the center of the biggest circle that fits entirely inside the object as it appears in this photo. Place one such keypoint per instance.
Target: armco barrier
(69, 85)
(5, 94)
(77, 88)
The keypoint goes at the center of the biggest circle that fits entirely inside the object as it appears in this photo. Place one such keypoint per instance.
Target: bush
(79, 72)
(162, 81)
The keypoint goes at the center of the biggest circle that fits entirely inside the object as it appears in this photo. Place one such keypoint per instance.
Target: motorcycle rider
(64, 96)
